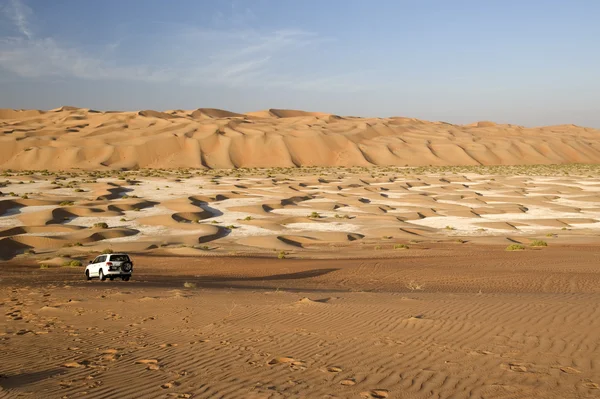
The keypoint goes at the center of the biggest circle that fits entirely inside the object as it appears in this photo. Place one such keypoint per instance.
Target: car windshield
(119, 258)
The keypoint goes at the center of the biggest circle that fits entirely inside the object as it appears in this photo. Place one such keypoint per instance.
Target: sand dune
(69, 138)
(299, 211)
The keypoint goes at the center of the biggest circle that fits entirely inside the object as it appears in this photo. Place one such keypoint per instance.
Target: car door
(93, 267)
(99, 263)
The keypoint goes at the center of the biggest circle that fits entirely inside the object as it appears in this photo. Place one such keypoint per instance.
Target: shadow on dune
(283, 281)
(22, 380)
(238, 282)
(204, 205)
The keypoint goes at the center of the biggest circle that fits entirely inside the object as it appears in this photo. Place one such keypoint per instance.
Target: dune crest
(79, 138)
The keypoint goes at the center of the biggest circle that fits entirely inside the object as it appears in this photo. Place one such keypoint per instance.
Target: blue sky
(525, 62)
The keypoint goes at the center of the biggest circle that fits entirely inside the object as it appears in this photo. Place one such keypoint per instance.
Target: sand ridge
(78, 138)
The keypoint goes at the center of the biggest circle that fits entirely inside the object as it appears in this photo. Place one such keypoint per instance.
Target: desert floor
(374, 283)
(479, 322)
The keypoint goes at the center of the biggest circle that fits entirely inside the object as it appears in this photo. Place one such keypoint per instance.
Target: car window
(97, 260)
(119, 258)
(101, 258)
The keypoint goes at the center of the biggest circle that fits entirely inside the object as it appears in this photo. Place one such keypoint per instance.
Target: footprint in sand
(591, 385)
(298, 365)
(281, 360)
(170, 385)
(569, 370)
(109, 355)
(517, 367)
(151, 364)
(348, 382)
(146, 361)
(334, 369)
(375, 393)
(76, 365)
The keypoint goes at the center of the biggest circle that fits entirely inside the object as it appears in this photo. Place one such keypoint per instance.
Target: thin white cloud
(19, 13)
(232, 58)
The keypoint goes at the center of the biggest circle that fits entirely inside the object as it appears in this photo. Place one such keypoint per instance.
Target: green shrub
(314, 215)
(73, 263)
(107, 251)
(44, 266)
(515, 247)
(248, 218)
(400, 246)
(66, 203)
(101, 225)
(538, 243)
(281, 255)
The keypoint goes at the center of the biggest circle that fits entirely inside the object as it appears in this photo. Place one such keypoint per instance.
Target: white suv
(111, 266)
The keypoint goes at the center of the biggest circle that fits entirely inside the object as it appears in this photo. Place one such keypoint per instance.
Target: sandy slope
(70, 137)
(475, 323)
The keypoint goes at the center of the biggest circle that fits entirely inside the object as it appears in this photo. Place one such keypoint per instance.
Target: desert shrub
(377, 247)
(44, 266)
(107, 251)
(73, 263)
(189, 285)
(400, 246)
(66, 203)
(123, 220)
(248, 218)
(450, 228)
(314, 215)
(281, 255)
(515, 247)
(538, 243)
(101, 225)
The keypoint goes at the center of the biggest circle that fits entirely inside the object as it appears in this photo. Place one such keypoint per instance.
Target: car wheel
(102, 276)
(125, 278)
(87, 275)
(111, 278)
